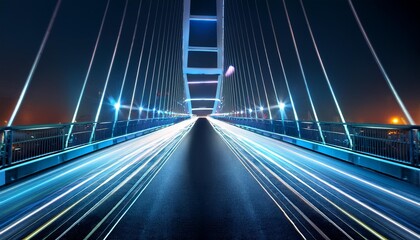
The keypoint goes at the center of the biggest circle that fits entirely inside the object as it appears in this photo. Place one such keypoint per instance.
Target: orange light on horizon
(395, 120)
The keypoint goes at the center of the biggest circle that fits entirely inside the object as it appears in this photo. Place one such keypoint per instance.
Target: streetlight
(282, 106)
(117, 106)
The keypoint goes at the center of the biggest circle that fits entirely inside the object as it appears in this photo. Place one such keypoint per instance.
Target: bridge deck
(211, 181)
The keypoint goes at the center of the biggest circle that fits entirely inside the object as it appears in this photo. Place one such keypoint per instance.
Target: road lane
(327, 196)
(49, 203)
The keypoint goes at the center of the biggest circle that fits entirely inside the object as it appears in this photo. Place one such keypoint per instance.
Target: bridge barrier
(396, 144)
(2, 152)
(19, 144)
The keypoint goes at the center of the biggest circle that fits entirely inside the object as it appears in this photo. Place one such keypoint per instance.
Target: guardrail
(23, 143)
(398, 143)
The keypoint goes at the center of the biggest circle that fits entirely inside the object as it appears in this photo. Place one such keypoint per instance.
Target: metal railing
(22, 143)
(398, 143)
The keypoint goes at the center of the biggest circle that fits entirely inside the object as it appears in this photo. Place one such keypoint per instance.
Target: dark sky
(54, 90)
(392, 25)
(393, 28)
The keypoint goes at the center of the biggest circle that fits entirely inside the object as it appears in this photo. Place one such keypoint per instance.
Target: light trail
(281, 155)
(100, 175)
(156, 151)
(138, 195)
(238, 155)
(294, 191)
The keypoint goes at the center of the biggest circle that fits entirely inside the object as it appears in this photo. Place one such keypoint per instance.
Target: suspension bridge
(216, 119)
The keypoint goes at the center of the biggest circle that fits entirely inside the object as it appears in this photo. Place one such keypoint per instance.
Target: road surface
(206, 179)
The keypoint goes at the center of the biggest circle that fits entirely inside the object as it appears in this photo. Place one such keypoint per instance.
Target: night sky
(392, 26)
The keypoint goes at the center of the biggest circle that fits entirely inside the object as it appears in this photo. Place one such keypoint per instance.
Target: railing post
(126, 127)
(2, 150)
(8, 147)
(92, 135)
(414, 138)
(63, 136)
(298, 128)
(113, 128)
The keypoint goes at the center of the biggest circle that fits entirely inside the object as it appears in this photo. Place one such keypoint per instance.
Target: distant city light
(261, 108)
(242, 111)
(250, 110)
(395, 120)
(154, 109)
(229, 71)
(141, 109)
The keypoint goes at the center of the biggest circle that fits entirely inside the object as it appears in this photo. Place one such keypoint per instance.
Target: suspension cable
(128, 62)
(109, 73)
(242, 45)
(229, 56)
(326, 75)
(163, 48)
(242, 65)
(232, 93)
(266, 54)
(148, 58)
(303, 73)
(251, 60)
(139, 66)
(259, 64)
(241, 78)
(283, 68)
(378, 62)
(234, 78)
(82, 92)
(154, 65)
(165, 76)
(35, 64)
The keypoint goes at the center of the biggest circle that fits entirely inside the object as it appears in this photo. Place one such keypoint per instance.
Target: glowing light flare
(230, 71)
(117, 106)
(282, 106)
(395, 120)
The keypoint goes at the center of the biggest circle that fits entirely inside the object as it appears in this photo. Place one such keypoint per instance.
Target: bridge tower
(203, 55)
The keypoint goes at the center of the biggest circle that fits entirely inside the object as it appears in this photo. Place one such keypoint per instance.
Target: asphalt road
(203, 192)
(209, 180)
